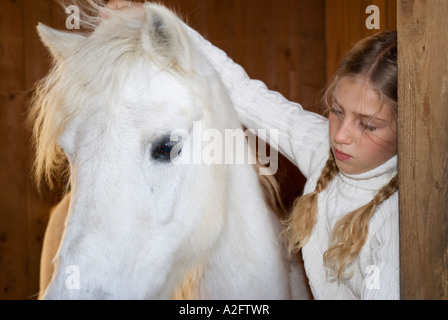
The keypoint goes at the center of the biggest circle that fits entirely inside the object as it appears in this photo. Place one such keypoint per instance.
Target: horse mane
(52, 105)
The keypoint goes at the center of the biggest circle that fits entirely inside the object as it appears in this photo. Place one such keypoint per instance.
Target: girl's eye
(337, 112)
(367, 127)
(334, 110)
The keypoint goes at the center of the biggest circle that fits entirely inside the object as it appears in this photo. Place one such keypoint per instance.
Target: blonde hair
(373, 59)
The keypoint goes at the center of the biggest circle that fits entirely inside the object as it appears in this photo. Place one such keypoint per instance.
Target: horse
(140, 219)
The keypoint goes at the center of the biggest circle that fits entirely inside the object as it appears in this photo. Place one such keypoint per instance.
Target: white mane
(83, 79)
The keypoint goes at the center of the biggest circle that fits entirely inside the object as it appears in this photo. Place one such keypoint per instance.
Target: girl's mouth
(341, 156)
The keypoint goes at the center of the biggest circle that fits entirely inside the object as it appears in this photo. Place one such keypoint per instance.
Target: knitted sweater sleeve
(302, 136)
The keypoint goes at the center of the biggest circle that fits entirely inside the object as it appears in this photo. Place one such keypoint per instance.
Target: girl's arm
(302, 135)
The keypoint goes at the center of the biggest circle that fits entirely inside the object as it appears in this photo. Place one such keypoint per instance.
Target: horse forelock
(90, 77)
(66, 91)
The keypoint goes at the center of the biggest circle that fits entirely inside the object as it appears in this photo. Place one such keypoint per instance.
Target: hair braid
(328, 173)
(350, 232)
(303, 216)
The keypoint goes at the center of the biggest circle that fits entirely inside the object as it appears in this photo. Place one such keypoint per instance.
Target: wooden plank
(423, 151)
(23, 212)
(38, 205)
(13, 169)
(345, 24)
(311, 58)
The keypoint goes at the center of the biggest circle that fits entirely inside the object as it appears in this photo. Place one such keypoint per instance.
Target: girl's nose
(344, 134)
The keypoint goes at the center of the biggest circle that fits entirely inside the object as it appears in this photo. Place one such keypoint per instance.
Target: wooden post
(423, 148)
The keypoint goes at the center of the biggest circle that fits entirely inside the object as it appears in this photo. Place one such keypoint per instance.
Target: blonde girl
(346, 223)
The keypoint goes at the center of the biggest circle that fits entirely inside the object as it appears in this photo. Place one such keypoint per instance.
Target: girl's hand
(124, 6)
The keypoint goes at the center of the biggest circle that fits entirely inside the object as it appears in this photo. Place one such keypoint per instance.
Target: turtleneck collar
(374, 179)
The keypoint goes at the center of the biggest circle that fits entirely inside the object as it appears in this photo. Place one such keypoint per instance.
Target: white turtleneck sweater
(304, 139)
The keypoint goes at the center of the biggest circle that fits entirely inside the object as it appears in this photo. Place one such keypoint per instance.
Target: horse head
(122, 106)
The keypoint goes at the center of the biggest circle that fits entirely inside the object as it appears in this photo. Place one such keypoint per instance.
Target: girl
(346, 223)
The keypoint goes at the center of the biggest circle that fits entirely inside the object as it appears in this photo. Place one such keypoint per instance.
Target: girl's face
(363, 134)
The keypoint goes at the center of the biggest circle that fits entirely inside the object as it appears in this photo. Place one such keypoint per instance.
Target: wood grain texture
(23, 212)
(346, 25)
(423, 152)
(12, 181)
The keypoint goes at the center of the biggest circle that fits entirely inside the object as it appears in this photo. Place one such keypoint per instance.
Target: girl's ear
(60, 44)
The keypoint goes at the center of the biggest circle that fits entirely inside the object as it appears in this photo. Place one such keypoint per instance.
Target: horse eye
(166, 150)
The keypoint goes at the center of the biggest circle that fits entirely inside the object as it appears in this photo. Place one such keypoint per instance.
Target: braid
(303, 216)
(350, 232)
(328, 173)
(387, 191)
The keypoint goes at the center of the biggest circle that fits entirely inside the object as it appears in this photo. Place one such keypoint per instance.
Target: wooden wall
(423, 154)
(292, 45)
(23, 213)
(345, 24)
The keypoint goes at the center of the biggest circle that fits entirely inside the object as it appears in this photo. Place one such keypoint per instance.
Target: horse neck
(249, 240)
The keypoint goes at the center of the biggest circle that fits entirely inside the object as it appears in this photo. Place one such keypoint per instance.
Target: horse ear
(163, 35)
(61, 44)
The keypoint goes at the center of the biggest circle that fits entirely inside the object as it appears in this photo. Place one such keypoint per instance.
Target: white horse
(141, 221)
